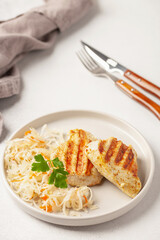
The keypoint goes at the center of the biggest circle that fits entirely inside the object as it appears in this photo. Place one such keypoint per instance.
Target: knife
(113, 66)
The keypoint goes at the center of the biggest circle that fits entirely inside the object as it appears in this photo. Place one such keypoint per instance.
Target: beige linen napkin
(36, 29)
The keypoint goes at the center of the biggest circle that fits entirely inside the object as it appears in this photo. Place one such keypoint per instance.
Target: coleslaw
(33, 187)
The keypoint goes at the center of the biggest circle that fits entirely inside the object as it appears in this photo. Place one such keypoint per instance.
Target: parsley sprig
(58, 176)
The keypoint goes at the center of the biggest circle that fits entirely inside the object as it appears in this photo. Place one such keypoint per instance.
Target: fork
(98, 71)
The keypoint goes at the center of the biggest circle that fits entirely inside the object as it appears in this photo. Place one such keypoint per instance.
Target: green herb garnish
(58, 176)
(40, 165)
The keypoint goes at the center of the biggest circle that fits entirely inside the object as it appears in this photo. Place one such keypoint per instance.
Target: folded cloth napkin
(36, 29)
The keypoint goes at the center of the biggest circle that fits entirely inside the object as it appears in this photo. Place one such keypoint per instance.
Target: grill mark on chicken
(120, 153)
(83, 163)
(129, 160)
(69, 154)
(111, 149)
(80, 154)
(101, 146)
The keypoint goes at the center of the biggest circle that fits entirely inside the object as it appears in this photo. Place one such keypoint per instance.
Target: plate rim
(128, 206)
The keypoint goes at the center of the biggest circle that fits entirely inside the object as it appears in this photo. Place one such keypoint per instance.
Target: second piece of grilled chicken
(73, 155)
(117, 163)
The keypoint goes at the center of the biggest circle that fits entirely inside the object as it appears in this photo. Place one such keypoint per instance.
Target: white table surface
(54, 80)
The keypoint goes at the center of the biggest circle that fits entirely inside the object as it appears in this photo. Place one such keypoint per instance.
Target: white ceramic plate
(111, 201)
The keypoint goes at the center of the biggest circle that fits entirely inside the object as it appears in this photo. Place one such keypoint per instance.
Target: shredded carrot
(45, 197)
(27, 132)
(48, 208)
(42, 207)
(42, 189)
(33, 175)
(32, 138)
(86, 200)
(17, 180)
(32, 196)
(45, 156)
(35, 140)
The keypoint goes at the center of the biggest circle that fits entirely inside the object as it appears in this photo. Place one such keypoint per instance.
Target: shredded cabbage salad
(33, 187)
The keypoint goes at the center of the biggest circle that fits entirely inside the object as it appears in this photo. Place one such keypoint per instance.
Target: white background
(54, 80)
(12, 8)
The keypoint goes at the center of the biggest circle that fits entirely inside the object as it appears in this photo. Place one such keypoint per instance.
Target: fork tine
(83, 61)
(93, 67)
(91, 61)
(86, 59)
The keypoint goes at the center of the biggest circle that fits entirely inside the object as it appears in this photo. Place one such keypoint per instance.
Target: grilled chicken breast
(117, 163)
(73, 155)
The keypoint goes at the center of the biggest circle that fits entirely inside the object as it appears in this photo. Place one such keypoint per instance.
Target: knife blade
(112, 66)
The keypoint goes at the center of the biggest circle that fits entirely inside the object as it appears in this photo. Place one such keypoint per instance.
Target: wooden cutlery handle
(139, 97)
(143, 83)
